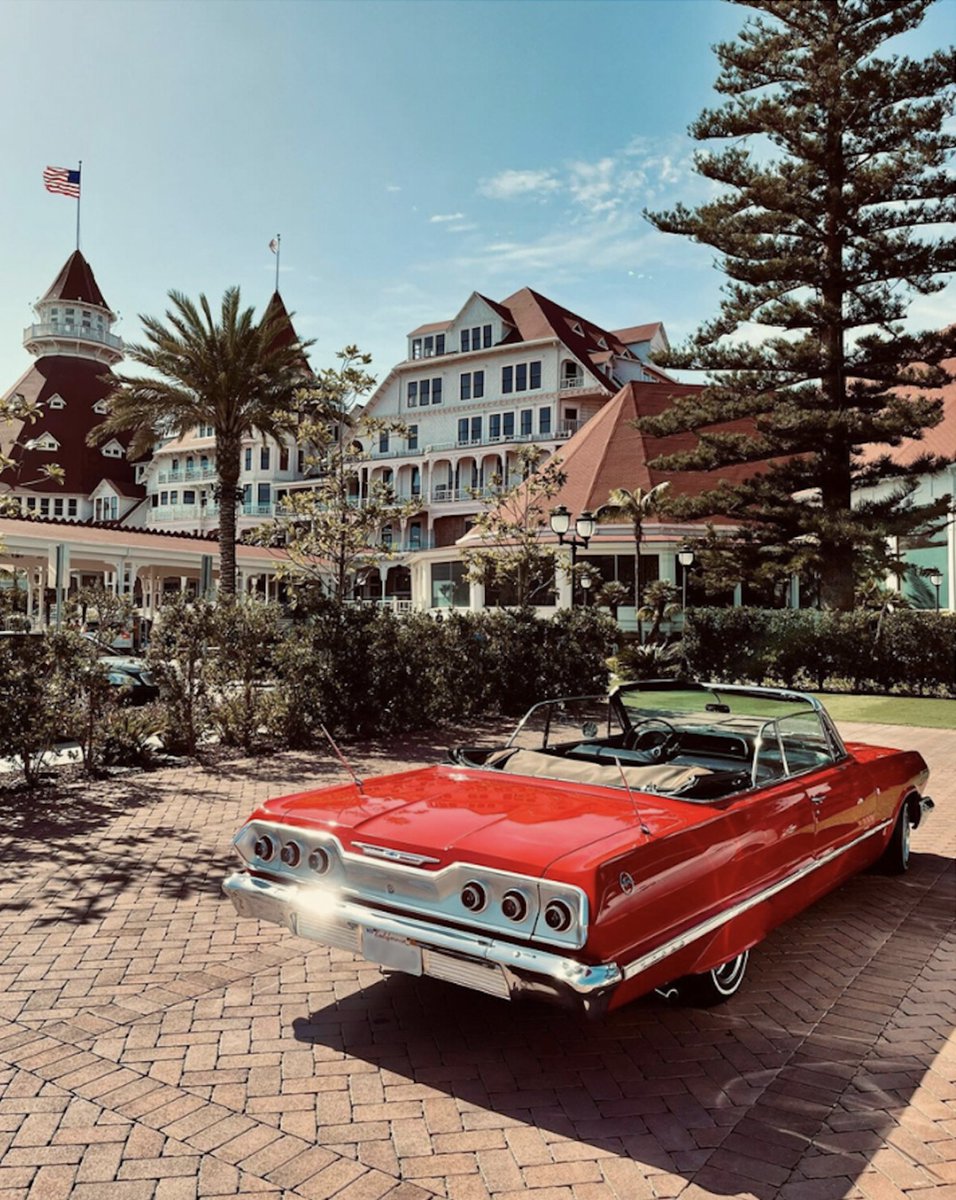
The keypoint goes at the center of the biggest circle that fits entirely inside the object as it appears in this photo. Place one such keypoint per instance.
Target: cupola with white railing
(73, 319)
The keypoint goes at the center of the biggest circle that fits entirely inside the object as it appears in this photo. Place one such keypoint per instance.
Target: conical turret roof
(77, 282)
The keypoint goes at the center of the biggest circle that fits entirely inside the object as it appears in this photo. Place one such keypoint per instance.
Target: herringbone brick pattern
(154, 1047)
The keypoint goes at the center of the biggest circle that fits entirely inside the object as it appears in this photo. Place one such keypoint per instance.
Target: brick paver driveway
(153, 1046)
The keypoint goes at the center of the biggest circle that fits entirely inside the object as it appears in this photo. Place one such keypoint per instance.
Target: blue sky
(408, 151)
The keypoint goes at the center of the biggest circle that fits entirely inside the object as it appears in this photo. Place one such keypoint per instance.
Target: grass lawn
(890, 710)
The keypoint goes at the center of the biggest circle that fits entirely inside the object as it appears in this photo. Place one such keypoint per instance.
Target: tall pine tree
(836, 189)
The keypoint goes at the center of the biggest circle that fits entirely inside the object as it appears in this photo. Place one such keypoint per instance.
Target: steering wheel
(654, 739)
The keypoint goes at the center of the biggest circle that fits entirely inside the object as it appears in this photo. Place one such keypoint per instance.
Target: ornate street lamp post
(584, 528)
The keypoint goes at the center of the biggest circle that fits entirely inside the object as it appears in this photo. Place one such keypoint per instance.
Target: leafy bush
(179, 659)
(243, 641)
(126, 735)
(35, 682)
(866, 650)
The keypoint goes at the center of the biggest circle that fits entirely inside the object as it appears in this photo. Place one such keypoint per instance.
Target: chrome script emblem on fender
(397, 856)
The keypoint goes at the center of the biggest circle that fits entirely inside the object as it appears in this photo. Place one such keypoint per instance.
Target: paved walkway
(153, 1047)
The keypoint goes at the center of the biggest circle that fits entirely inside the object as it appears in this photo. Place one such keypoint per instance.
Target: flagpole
(278, 249)
(79, 189)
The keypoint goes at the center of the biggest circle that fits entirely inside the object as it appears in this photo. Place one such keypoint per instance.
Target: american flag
(63, 181)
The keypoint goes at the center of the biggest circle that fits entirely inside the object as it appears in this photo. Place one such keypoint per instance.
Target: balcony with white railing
(572, 381)
(83, 333)
(187, 475)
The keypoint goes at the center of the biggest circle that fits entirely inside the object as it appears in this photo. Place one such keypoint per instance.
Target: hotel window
(436, 391)
(175, 465)
(507, 379)
(189, 497)
(439, 343)
(386, 535)
(508, 424)
(44, 508)
(486, 335)
(246, 495)
(544, 420)
(264, 493)
(164, 498)
(383, 442)
(466, 341)
(416, 347)
(412, 398)
(521, 377)
(478, 384)
(428, 346)
(535, 374)
(71, 508)
(300, 461)
(462, 431)
(416, 482)
(413, 437)
(155, 500)
(494, 426)
(415, 535)
(174, 497)
(248, 458)
(476, 429)
(464, 391)
(56, 402)
(527, 422)
(264, 458)
(58, 507)
(425, 392)
(284, 458)
(31, 503)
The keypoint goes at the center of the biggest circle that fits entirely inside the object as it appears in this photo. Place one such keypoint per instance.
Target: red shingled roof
(941, 439)
(80, 382)
(608, 452)
(76, 282)
(638, 333)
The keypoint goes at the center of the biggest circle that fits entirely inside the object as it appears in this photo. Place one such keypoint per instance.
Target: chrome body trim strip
(714, 923)
(286, 903)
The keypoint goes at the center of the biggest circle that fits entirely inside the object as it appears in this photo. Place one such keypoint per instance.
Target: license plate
(390, 951)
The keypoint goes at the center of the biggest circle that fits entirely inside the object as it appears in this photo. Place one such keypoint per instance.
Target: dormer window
(113, 449)
(101, 407)
(56, 402)
(46, 442)
(602, 342)
(576, 328)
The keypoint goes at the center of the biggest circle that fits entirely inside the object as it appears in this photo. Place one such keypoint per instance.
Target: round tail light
(264, 847)
(474, 897)
(514, 906)
(557, 916)
(319, 861)
(290, 854)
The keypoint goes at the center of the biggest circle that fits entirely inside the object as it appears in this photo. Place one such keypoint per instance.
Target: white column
(476, 596)
(562, 571)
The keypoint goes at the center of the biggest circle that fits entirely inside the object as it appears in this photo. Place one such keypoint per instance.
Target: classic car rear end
(612, 846)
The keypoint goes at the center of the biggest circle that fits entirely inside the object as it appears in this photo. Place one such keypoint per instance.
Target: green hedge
(909, 652)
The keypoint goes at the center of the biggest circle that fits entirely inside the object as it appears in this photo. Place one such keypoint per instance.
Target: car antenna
(342, 759)
(637, 811)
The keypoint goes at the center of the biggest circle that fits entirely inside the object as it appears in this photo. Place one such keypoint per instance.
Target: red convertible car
(640, 841)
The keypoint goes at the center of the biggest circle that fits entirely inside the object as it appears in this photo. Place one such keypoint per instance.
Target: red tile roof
(76, 282)
(940, 440)
(80, 382)
(608, 452)
(433, 327)
(638, 333)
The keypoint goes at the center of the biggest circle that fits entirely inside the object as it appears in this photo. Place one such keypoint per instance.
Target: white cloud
(392, 187)
(508, 184)
(439, 218)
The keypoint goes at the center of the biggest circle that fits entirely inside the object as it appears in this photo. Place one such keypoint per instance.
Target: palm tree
(623, 506)
(238, 376)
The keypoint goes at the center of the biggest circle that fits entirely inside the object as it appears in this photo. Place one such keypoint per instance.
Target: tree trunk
(227, 467)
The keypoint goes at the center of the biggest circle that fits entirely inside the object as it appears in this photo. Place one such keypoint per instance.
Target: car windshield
(557, 722)
(698, 741)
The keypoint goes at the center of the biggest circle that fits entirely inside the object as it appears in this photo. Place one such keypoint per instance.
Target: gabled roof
(76, 282)
(536, 317)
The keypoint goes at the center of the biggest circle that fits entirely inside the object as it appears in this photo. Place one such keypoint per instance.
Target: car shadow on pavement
(815, 1074)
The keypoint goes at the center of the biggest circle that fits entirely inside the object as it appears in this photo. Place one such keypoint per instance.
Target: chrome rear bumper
(408, 944)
